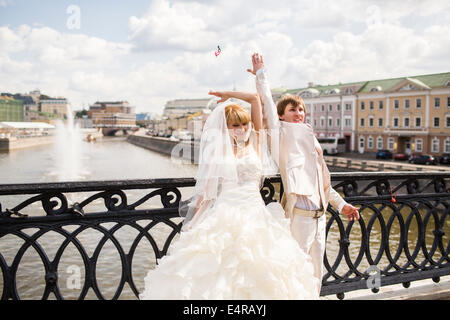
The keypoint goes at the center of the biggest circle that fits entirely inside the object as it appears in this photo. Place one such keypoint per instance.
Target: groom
(304, 173)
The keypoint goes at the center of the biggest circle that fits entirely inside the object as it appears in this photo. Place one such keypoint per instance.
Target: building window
(330, 108)
(361, 143)
(362, 105)
(361, 122)
(407, 104)
(418, 145)
(418, 122)
(435, 145)
(418, 103)
(437, 102)
(322, 122)
(406, 122)
(395, 123)
(348, 106)
(315, 123)
(330, 121)
(396, 104)
(447, 146)
(447, 121)
(391, 143)
(380, 122)
(436, 122)
(380, 104)
(371, 105)
(348, 122)
(370, 143)
(448, 102)
(338, 107)
(323, 108)
(338, 122)
(371, 122)
(379, 143)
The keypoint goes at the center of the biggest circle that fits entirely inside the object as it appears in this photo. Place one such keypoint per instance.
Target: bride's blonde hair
(236, 114)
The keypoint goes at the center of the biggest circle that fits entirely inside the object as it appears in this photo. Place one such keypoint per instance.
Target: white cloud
(170, 50)
(10, 41)
(6, 3)
(166, 26)
(383, 50)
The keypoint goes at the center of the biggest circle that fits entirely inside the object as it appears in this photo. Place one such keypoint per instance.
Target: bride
(233, 246)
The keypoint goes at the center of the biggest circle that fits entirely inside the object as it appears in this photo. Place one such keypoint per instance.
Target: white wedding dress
(241, 249)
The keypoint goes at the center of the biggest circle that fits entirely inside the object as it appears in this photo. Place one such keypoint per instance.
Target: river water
(115, 159)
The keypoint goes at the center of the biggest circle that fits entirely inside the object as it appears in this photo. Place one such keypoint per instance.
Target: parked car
(183, 135)
(384, 154)
(423, 159)
(445, 158)
(401, 156)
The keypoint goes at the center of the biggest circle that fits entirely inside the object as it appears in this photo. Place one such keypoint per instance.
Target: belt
(309, 213)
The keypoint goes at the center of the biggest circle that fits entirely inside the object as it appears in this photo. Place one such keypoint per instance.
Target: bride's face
(238, 131)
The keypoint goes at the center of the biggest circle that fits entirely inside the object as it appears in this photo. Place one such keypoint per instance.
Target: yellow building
(404, 115)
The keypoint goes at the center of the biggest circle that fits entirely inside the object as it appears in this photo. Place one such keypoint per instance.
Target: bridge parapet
(402, 236)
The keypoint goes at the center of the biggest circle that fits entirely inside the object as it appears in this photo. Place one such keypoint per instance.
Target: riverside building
(11, 110)
(112, 114)
(404, 115)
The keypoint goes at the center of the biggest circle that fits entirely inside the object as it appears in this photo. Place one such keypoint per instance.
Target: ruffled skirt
(240, 250)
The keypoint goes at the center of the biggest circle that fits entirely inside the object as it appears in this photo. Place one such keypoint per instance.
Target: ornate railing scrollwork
(406, 239)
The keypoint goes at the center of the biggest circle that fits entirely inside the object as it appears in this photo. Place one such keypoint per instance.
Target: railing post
(363, 165)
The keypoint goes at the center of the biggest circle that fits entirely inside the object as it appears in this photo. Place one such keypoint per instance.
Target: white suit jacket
(298, 154)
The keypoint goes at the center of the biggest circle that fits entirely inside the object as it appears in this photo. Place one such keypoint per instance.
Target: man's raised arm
(271, 122)
(270, 115)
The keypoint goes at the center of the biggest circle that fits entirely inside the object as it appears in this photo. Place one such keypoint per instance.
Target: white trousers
(310, 235)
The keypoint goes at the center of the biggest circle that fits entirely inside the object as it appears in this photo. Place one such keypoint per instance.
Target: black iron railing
(402, 236)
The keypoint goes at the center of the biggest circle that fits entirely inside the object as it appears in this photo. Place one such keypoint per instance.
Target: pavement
(419, 290)
(372, 164)
(372, 156)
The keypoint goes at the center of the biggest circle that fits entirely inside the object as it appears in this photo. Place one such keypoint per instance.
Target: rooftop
(437, 80)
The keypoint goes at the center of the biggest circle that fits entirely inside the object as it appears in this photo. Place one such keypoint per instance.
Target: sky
(149, 52)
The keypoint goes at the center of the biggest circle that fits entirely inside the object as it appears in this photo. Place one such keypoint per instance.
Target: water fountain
(68, 147)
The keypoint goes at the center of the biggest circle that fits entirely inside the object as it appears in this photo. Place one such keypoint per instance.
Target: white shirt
(312, 202)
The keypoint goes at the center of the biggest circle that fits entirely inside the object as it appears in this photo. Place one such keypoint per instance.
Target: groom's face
(293, 114)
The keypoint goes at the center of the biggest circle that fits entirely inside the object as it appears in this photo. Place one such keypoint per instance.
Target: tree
(80, 114)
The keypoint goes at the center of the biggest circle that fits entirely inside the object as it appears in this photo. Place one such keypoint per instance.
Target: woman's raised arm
(252, 98)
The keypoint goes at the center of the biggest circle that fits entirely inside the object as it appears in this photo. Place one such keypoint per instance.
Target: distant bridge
(111, 130)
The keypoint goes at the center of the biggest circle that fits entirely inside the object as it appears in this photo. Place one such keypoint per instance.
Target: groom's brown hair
(289, 99)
